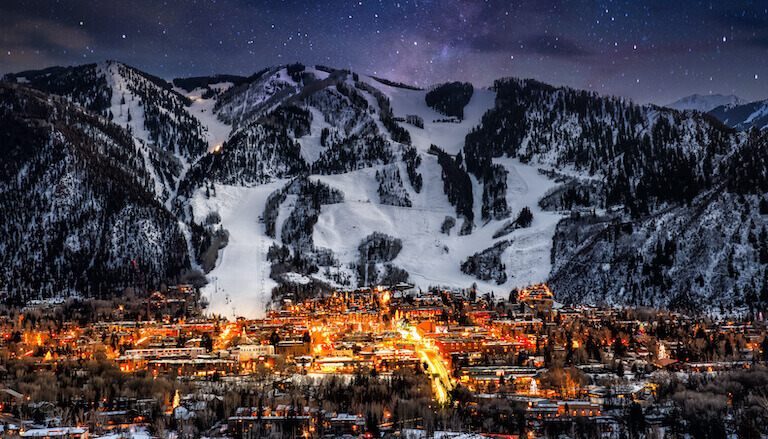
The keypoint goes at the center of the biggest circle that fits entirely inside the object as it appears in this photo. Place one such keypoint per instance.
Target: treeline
(354, 153)
(170, 125)
(398, 133)
(412, 161)
(298, 252)
(457, 186)
(488, 264)
(254, 155)
(376, 252)
(83, 84)
(391, 190)
(717, 406)
(194, 82)
(450, 98)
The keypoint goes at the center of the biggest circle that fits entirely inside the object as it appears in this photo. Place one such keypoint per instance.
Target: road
(441, 377)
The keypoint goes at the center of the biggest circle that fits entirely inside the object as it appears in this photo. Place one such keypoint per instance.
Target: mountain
(156, 115)
(705, 103)
(665, 206)
(80, 214)
(745, 116)
(299, 178)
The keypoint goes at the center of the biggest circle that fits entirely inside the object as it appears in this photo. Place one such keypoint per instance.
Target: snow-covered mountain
(80, 214)
(302, 178)
(705, 103)
(157, 116)
(743, 117)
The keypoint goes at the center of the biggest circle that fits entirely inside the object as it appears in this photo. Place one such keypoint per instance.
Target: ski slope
(430, 257)
(449, 136)
(216, 131)
(240, 283)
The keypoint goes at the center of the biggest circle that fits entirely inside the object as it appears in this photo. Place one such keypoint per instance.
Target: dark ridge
(396, 84)
(31, 75)
(194, 82)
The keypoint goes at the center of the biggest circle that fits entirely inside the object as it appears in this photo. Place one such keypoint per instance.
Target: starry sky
(648, 50)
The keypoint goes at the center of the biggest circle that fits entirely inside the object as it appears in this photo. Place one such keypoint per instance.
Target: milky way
(651, 51)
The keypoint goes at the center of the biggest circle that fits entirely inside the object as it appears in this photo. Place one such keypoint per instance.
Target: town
(377, 362)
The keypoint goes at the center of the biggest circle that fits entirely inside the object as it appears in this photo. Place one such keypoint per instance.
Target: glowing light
(176, 400)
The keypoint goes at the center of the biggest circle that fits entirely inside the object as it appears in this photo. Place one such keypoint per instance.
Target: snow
(705, 103)
(132, 103)
(221, 86)
(341, 227)
(240, 282)
(273, 87)
(310, 144)
(120, 113)
(528, 258)
(319, 74)
(760, 112)
(216, 131)
(131, 433)
(447, 135)
(286, 207)
(430, 257)
(296, 278)
(54, 431)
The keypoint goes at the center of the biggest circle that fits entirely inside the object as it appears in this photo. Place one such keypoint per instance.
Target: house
(343, 423)
(57, 433)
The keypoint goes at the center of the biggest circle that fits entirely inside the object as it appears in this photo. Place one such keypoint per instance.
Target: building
(57, 432)
(252, 352)
(448, 345)
(538, 297)
(344, 424)
(293, 348)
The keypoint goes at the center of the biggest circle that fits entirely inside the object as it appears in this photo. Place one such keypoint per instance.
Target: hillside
(705, 103)
(745, 116)
(80, 214)
(304, 178)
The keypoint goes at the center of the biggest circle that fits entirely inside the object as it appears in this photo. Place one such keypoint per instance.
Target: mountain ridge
(228, 162)
(705, 103)
(743, 117)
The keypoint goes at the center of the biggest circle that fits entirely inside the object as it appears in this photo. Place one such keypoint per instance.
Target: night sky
(651, 51)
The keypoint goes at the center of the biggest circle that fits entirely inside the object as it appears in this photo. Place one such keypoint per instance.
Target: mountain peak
(705, 103)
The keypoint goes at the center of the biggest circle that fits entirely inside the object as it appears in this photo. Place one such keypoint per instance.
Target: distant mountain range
(705, 103)
(729, 109)
(743, 117)
(300, 178)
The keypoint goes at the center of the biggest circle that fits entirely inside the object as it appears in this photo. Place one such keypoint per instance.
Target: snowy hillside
(158, 117)
(78, 203)
(745, 116)
(240, 280)
(355, 121)
(705, 103)
(298, 179)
